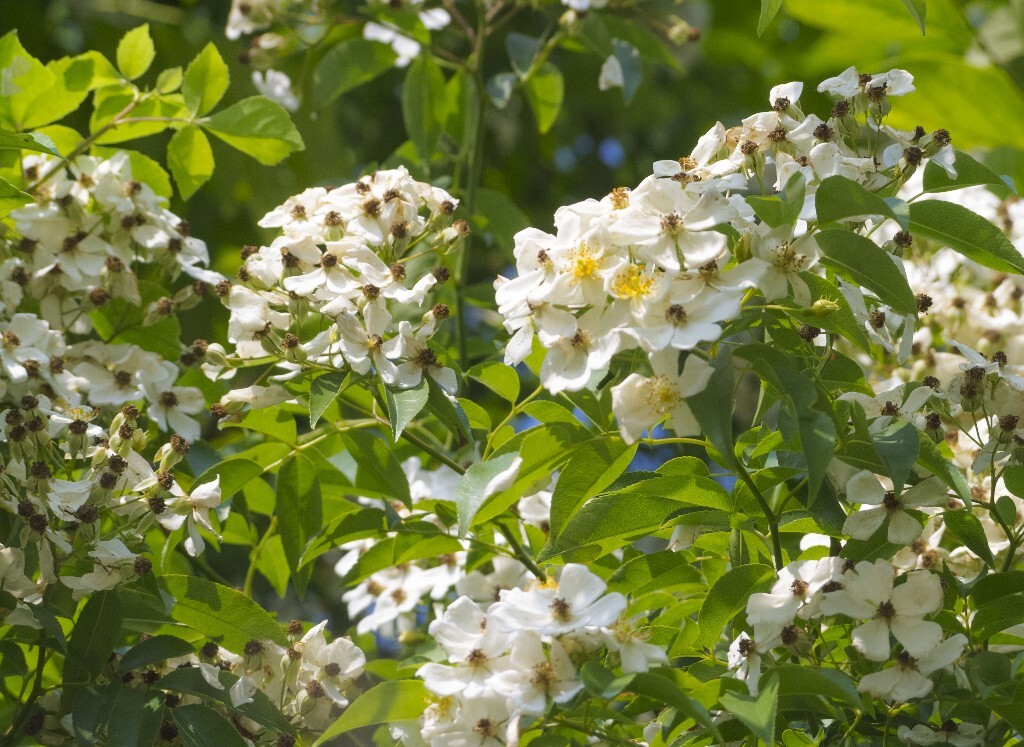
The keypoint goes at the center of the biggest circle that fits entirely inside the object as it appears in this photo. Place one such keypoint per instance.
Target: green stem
(520, 551)
(250, 573)
(770, 516)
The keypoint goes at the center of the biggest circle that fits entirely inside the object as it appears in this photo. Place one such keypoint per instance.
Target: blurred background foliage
(968, 68)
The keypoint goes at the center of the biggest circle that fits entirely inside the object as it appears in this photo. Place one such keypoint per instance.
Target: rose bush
(732, 456)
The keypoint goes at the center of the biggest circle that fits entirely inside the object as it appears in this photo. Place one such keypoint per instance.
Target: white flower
(745, 658)
(611, 74)
(407, 49)
(193, 507)
(958, 734)
(534, 676)
(864, 488)
(171, 407)
(869, 595)
(276, 86)
(639, 402)
(907, 680)
(577, 601)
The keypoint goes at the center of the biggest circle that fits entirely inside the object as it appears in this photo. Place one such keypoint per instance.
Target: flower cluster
(79, 477)
(519, 656)
(343, 286)
(311, 681)
(868, 593)
(667, 266)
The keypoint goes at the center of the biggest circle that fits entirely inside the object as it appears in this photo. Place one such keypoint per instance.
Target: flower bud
(824, 307)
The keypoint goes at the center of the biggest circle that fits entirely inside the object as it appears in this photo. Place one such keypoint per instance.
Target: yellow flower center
(633, 283)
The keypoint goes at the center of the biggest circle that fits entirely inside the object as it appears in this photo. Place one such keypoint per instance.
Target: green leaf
(169, 80)
(206, 80)
(967, 528)
(135, 717)
(842, 199)
(190, 159)
(591, 470)
(500, 218)
(857, 258)
(11, 198)
(96, 631)
(756, 712)
(135, 52)
(424, 106)
(259, 127)
(235, 473)
(34, 141)
(221, 613)
(522, 50)
(632, 69)
(966, 232)
(299, 511)
(349, 64)
(481, 481)
(153, 650)
(499, 378)
(385, 703)
(917, 10)
(378, 469)
(545, 91)
(713, 406)
(996, 616)
(323, 390)
(190, 681)
(810, 681)
(969, 173)
(898, 446)
(931, 458)
(769, 9)
(841, 321)
(25, 78)
(201, 726)
(1013, 479)
(90, 709)
(728, 597)
(612, 520)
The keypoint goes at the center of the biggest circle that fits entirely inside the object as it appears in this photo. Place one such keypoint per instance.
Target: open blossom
(900, 610)
(577, 600)
(865, 489)
(193, 510)
(907, 678)
(639, 402)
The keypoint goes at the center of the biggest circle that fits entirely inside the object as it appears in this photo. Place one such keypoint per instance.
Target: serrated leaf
(756, 712)
(591, 470)
(545, 90)
(299, 510)
(481, 481)
(842, 199)
(385, 703)
(728, 597)
(966, 232)
(350, 64)
(323, 390)
(258, 127)
(153, 650)
(499, 378)
(34, 141)
(858, 259)
(135, 717)
(221, 613)
(969, 173)
(206, 80)
(135, 52)
(967, 528)
(190, 159)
